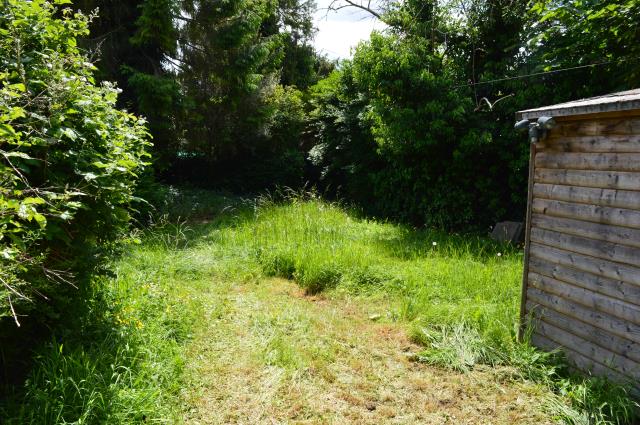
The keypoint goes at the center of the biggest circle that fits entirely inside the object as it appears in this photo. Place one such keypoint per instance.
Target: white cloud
(339, 31)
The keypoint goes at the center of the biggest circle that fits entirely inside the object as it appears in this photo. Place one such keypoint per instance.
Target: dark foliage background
(417, 126)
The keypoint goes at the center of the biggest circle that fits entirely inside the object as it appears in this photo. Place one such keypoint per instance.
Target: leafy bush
(69, 159)
(396, 138)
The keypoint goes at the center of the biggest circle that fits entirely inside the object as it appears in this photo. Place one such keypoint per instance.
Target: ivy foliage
(69, 159)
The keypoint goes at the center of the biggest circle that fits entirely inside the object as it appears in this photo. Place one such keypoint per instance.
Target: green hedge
(69, 160)
(394, 136)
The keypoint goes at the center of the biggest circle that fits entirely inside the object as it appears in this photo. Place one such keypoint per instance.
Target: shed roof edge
(621, 101)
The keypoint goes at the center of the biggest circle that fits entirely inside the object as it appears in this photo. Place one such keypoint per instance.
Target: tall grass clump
(439, 278)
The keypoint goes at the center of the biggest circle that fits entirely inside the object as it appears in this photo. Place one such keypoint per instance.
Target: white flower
(434, 243)
(499, 254)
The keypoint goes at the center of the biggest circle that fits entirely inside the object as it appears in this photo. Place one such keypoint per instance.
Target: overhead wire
(413, 23)
(536, 74)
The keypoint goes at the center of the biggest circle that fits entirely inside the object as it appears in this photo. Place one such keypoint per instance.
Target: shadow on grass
(95, 366)
(113, 356)
(111, 352)
(50, 368)
(190, 215)
(413, 244)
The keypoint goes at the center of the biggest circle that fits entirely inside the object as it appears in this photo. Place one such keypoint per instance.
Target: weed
(168, 234)
(458, 347)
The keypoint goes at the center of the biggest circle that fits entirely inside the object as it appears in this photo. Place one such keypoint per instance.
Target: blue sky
(339, 31)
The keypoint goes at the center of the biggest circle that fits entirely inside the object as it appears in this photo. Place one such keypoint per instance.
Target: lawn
(295, 310)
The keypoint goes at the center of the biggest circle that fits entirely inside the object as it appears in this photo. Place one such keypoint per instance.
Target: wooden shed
(581, 282)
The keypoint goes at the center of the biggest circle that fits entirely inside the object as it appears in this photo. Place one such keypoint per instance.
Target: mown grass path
(266, 353)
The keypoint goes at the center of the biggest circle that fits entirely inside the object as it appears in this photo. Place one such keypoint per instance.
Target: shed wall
(582, 262)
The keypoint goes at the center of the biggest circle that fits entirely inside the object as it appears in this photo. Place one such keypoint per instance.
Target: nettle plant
(69, 159)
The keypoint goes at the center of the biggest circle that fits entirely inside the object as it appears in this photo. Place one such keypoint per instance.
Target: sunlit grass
(434, 278)
(456, 295)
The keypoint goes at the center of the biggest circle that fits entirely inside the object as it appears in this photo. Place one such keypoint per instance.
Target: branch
(183, 18)
(19, 295)
(13, 312)
(177, 62)
(491, 105)
(335, 5)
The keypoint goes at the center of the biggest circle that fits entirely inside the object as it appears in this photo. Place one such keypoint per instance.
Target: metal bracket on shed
(537, 130)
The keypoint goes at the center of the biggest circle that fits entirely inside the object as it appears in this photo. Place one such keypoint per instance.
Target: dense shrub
(419, 124)
(69, 159)
(271, 159)
(396, 138)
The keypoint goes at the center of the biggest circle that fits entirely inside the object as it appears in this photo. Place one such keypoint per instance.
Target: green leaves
(68, 158)
(578, 32)
(28, 211)
(69, 133)
(6, 131)
(18, 87)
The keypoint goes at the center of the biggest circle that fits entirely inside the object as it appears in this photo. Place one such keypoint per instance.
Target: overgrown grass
(121, 364)
(121, 359)
(458, 295)
(431, 278)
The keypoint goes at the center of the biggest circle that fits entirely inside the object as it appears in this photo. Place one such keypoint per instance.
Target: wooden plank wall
(582, 283)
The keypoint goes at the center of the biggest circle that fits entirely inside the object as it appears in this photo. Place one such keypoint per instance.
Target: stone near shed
(508, 231)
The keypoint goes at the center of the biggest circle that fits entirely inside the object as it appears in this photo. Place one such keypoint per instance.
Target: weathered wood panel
(614, 288)
(599, 249)
(622, 346)
(589, 350)
(604, 232)
(586, 297)
(587, 195)
(589, 161)
(582, 271)
(604, 321)
(594, 213)
(612, 144)
(599, 267)
(579, 361)
(598, 127)
(586, 178)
